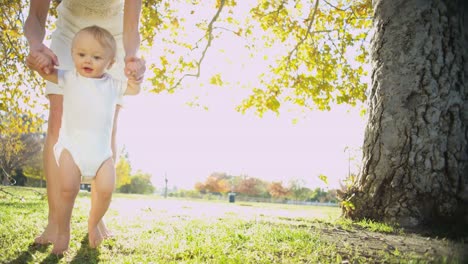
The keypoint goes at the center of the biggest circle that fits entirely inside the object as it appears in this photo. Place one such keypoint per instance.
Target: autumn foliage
(215, 183)
(277, 190)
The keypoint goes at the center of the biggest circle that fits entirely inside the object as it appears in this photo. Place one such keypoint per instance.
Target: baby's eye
(81, 54)
(97, 57)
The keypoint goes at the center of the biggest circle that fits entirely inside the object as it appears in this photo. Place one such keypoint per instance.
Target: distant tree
(19, 178)
(187, 193)
(16, 151)
(277, 190)
(332, 196)
(318, 195)
(215, 183)
(33, 169)
(251, 186)
(123, 170)
(140, 183)
(200, 187)
(298, 191)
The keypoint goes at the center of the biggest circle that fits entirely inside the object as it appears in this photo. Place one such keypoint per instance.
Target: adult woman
(121, 18)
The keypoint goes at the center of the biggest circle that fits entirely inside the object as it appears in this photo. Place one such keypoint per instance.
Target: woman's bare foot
(47, 236)
(61, 244)
(95, 237)
(106, 233)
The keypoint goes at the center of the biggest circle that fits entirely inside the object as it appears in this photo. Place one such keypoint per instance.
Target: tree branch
(335, 7)
(308, 32)
(209, 35)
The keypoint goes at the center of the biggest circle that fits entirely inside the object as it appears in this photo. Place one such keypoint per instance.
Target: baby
(83, 151)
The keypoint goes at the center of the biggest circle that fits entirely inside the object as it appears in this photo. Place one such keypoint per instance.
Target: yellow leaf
(323, 178)
(216, 80)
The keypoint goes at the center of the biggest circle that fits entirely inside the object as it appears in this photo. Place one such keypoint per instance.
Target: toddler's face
(91, 59)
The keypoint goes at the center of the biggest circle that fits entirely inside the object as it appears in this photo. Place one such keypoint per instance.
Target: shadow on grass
(455, 231)
(27, 255)
(51, 258)
(86, 254)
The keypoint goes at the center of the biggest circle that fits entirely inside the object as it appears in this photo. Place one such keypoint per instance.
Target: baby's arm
(133, 87)
(51, 77)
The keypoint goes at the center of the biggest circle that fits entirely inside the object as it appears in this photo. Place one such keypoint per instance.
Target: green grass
(149, 229)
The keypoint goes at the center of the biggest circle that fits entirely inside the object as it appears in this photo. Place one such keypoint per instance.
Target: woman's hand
(135, 68)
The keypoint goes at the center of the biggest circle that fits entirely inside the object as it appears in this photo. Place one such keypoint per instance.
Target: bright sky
(165, 136)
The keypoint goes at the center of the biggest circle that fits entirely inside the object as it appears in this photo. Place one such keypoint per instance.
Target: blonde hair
(102, 35)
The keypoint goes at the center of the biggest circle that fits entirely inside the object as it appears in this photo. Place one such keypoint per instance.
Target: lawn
(151, 229)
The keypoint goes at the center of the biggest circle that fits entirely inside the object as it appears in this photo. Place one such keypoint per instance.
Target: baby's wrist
(136, 81)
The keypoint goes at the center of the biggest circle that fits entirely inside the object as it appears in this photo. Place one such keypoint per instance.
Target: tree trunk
(415, 153)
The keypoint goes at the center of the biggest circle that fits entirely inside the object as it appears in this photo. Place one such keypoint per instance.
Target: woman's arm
(131, 27)
(34, 27)
(131, 34)
(34, 31)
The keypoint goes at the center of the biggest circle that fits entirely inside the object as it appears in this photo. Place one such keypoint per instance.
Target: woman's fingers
(52, 56)
(135, 68)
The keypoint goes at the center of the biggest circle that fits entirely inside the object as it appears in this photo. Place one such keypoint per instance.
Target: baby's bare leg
(106, 233)
(69, 187)
(104, 186)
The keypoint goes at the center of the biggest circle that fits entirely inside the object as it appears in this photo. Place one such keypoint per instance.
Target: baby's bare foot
(61, 244)
(95, 237)
(47, 236)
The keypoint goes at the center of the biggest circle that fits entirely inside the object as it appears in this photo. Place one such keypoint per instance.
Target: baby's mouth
(87, 69)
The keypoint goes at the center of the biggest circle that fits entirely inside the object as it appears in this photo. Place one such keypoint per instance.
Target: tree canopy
(319, 48)
(314, 52)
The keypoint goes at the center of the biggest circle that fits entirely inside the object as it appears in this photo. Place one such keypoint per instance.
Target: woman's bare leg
(51, 169)
(69, 187)
(103, 184)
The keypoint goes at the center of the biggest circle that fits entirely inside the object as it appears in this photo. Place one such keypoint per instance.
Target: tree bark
(415, 152)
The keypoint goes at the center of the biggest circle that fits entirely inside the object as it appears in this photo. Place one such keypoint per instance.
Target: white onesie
(87, 120)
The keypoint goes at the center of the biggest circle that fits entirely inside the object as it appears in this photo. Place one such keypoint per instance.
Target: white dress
(87, 120)
(74, 15)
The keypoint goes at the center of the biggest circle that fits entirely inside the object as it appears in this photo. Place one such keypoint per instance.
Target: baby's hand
(135, 68)
(41, 59)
